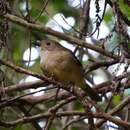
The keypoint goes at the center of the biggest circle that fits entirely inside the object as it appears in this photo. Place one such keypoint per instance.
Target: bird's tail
(90, 92)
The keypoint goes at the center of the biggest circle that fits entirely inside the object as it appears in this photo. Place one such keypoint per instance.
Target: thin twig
(12, 100)
(25, 71)
(53, 111)
(62, 114)
(115, 110)
(73, 121)
(49, 31)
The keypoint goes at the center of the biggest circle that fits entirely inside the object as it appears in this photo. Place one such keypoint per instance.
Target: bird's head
(50, 45)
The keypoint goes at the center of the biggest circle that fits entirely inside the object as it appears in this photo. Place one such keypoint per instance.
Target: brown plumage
(59, 62)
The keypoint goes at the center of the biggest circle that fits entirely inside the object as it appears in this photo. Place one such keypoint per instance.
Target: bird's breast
(51, 63)
(62, 66)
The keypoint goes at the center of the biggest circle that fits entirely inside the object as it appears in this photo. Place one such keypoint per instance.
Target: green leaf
(125, 8)
(116, 99)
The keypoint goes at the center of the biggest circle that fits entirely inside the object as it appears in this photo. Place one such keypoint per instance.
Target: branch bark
(62, 114)
(71, 39)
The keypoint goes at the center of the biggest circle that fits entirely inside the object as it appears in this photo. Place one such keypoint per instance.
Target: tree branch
(73, 40)
(62, 114)
(25, 86)
(115, 110)
(25, 71)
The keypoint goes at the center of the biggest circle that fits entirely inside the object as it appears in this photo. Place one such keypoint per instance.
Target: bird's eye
(48, 43)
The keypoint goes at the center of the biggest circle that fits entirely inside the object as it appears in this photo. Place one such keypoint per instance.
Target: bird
(60, 63)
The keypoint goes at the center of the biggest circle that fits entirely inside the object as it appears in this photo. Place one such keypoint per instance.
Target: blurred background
(93, 21)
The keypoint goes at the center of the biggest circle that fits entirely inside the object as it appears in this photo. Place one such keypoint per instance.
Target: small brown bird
(59, 62)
